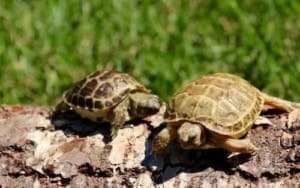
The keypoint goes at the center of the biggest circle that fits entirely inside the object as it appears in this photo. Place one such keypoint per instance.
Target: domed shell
(102, 90)
(223, 103)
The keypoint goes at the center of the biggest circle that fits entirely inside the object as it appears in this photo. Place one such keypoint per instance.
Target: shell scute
(74, 99)
(81, 101)
(89, 103)
(225, 104)
(120, 82)
(94, 74)
(98, 104)
(102, 90)
(108, 104)
(105, 75)
(86, 91)
(117, 99)
(90, 85)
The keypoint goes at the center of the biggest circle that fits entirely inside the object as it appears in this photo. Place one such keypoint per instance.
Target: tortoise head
(191, 135)
(143, 104)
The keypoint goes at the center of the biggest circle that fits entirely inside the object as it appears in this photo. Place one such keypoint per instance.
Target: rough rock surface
(66, 151)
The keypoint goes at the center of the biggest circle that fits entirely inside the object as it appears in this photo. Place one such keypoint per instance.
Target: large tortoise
(109, 96)
(214, 111)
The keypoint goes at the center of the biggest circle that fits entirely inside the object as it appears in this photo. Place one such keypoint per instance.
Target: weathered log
(39, 151)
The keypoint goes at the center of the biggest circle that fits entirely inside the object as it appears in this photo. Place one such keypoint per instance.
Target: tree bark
(37, 150)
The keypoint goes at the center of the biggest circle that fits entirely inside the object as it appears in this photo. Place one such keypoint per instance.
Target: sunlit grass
(47, 45)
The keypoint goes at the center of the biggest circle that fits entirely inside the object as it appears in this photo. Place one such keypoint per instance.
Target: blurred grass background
(47, 45)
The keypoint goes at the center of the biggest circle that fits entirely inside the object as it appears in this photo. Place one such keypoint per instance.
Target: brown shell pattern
(225, 104)
(102, 90)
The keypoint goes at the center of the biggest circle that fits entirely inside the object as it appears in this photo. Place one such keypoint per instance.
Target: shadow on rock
(189, 161)
(72, 124)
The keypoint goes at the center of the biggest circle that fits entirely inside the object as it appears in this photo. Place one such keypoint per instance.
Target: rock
(286, 140)
(67, 151)
(293, 122)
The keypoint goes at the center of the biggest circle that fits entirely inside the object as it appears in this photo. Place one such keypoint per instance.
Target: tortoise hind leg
(232, 145)
(239, 145)
(280, 103)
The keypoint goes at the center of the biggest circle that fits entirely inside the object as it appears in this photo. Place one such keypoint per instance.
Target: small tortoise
(214, 111)
(110, 96)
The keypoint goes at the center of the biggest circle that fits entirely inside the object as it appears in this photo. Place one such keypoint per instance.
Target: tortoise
(109, 96)
(214, 111)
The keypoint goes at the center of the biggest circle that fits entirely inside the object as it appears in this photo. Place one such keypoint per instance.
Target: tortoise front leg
(162, 141)
(118, 117)
(280, 104)
(191, 135)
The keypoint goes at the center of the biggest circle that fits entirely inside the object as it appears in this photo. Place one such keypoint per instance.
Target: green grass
(47, 45)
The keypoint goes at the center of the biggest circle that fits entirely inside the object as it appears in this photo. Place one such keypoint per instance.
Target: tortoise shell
(101, 90)
(224, 104)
